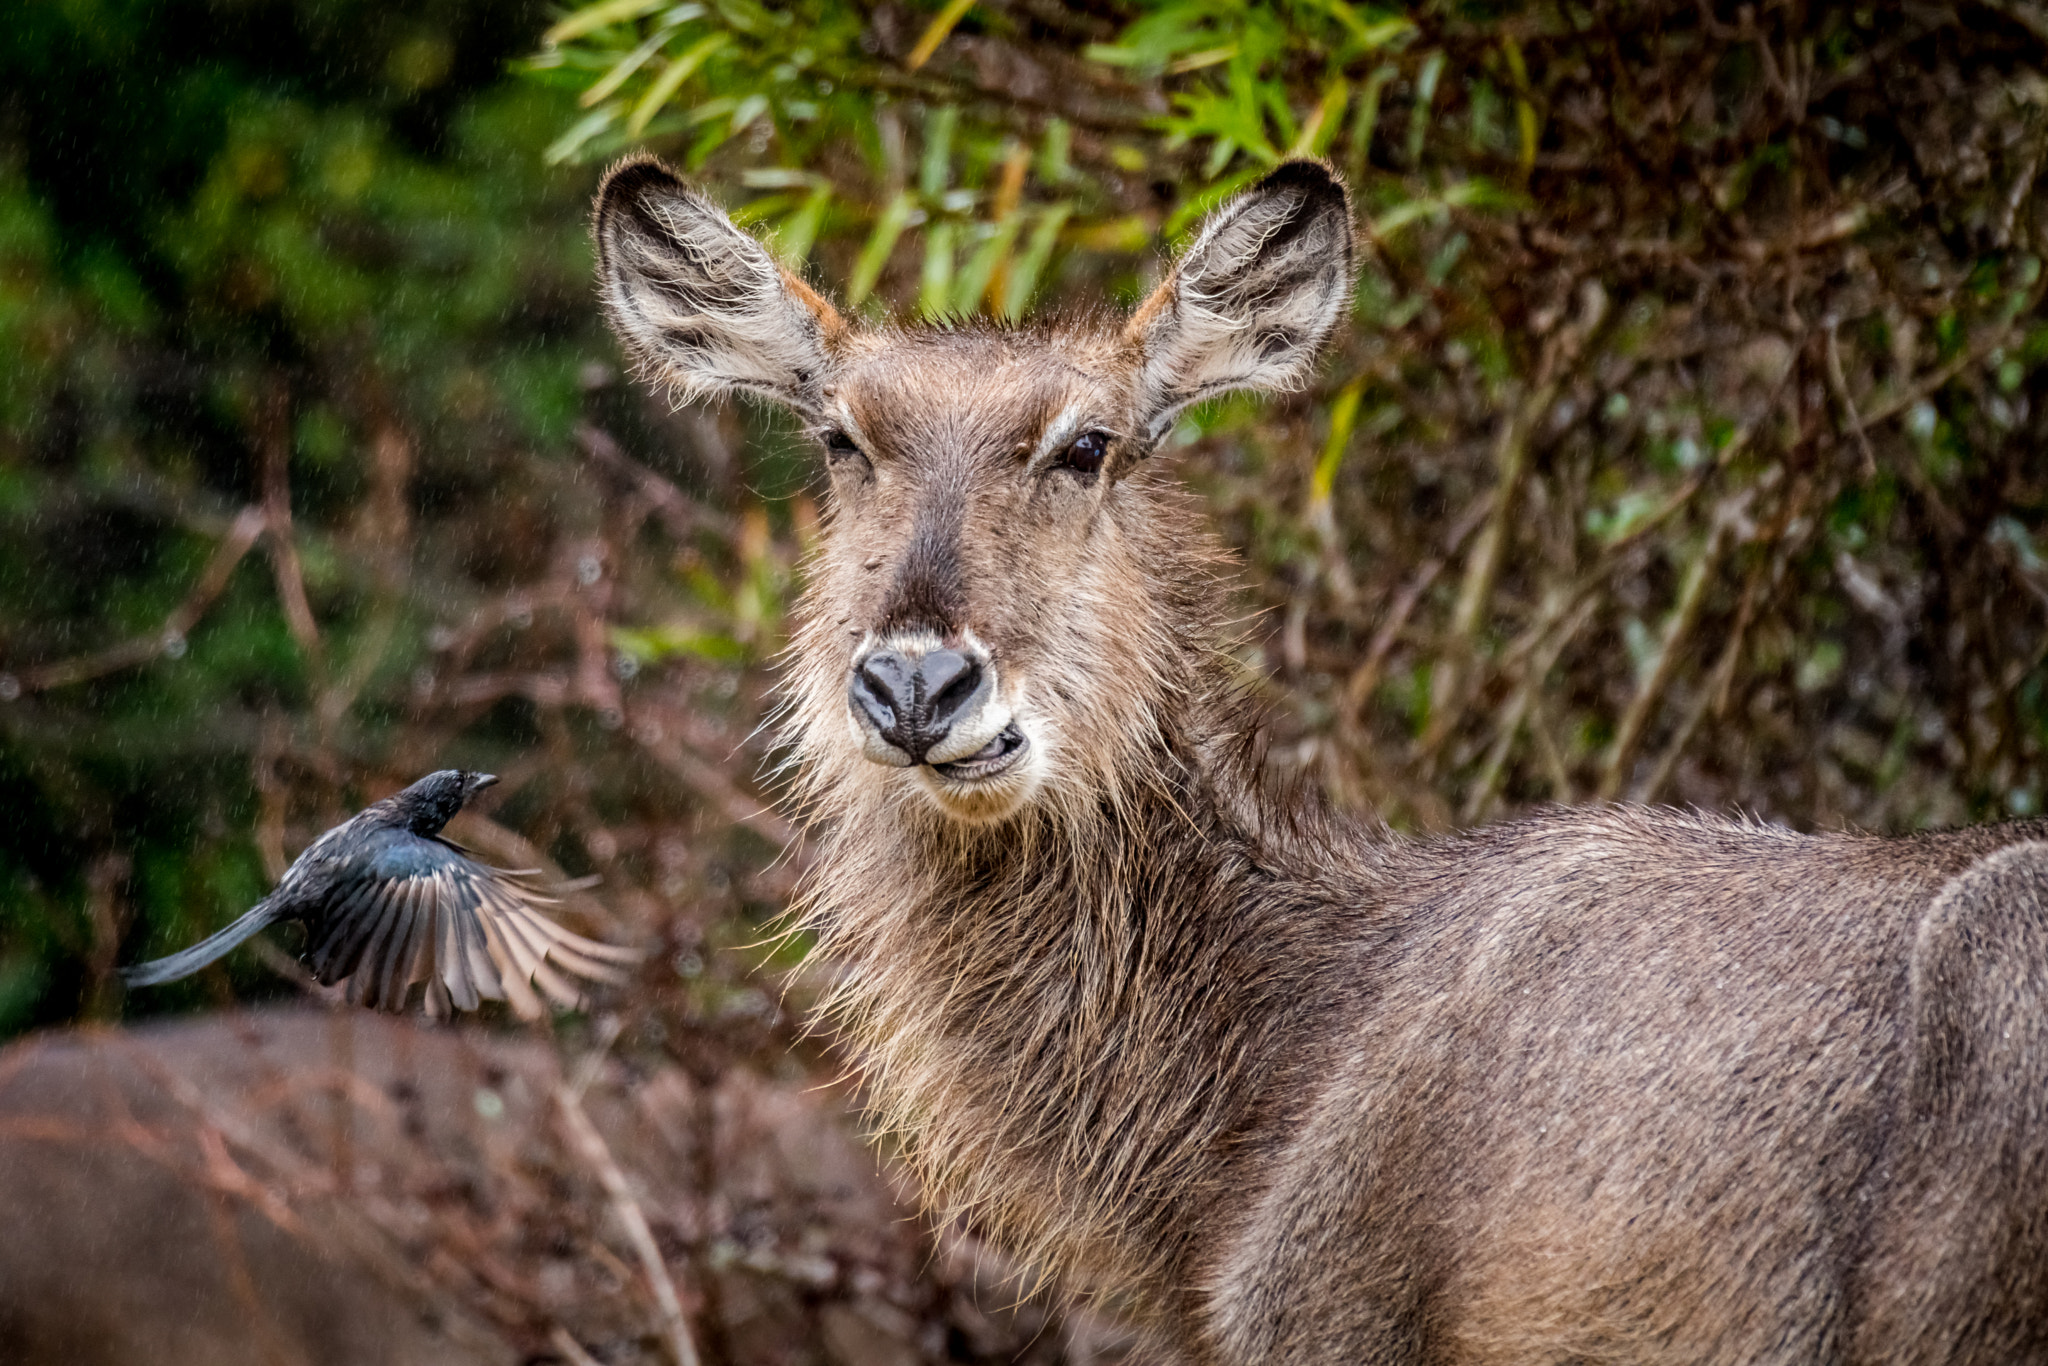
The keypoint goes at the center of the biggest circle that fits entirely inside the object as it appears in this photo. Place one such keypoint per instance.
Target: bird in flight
(388, 902)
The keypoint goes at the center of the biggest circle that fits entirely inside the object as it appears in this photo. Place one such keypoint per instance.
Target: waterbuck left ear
(701, 306)
(1253, 299)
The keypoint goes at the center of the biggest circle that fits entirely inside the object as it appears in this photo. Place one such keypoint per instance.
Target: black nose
(914, 702)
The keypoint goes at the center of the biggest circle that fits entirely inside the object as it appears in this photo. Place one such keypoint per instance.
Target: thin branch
(572, 1350)
(1716, 688)
(681, 513)
(1480, 802)
(589, 1144)
(1358, 689)
(275, 439)
(1840, 385)
(1684, 614)
(248, 525)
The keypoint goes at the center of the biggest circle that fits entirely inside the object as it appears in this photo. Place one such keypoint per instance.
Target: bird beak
(482, 781)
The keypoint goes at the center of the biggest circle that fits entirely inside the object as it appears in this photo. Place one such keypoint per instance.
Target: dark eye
(1086, 454)
(839, 444)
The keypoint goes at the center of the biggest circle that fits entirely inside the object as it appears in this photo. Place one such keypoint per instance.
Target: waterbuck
(1604, 1085)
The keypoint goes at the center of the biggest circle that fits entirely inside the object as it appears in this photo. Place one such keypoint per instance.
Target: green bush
(1684, 447)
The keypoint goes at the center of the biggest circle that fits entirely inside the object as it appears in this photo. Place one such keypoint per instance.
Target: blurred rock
(314, 1187)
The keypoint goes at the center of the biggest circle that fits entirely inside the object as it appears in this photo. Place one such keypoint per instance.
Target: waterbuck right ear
(1253, 299)
(701, 307)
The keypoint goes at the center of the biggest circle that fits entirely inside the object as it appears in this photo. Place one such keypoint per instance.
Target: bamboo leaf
(938, 151)
(1323, 122)
(994, 251)
(750, 108)
(1425, 96)
(1023, 277)
(936, 31)
(800, 230)
(624, 68)
(671, 80)
(586, 128)
(594, 17)
(1053, 165)
(1195, 61)
(1365, 121)
(1404, 213)
(1343, 415)
(881, 241)
(935, 286)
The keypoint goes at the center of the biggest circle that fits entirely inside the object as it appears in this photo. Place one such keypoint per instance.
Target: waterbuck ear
(1253, 299)
(701, 307)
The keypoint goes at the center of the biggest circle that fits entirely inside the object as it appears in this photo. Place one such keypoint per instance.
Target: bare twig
(565, 1342)
(1480, 802)
(680, 513)
(170, 638)
(1677, 627)
(1358, 689)
(1475, 590)
(1715, 688)
(589, 1144)
(274, 435)
(1840, 385)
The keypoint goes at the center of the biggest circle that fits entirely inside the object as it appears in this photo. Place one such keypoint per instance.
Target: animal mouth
(997, 756)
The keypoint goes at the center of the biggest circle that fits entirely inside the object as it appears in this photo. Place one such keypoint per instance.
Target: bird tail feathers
(189, 961)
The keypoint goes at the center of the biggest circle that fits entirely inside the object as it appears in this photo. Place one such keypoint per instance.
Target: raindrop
(588, 570)
(10, 687)
(174, 645)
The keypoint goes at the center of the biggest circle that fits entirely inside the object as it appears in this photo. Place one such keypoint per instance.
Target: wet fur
(1609, 1085)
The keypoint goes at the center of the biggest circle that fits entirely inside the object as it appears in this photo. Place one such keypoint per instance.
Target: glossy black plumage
(388, 903)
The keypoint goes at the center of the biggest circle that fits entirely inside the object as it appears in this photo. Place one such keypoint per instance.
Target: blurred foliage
(1684, 446)
(293, 506)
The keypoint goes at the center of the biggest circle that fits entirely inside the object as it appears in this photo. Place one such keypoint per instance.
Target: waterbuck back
(1605, 1085)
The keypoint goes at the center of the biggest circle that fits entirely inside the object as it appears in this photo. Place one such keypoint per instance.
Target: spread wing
(411, 909)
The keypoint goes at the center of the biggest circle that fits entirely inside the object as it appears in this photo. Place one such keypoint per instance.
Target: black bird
(388, 902)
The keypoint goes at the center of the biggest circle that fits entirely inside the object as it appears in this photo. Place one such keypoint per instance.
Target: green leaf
(625, 67)
(935, 292)
(1024, 274)
(598, 16)
(799, 231)
(671, 80)
(586, 128)
(938, 151)
(936, 31)
(973, 282)
(1425, 96)
(874, 255)
(1343, 416)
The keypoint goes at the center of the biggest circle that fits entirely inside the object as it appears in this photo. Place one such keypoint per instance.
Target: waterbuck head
(1008, 600)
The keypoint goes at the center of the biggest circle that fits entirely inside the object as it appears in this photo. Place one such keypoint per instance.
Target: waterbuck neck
(1083, 1027)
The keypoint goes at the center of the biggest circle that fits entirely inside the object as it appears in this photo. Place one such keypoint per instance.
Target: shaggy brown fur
(1608, 1085)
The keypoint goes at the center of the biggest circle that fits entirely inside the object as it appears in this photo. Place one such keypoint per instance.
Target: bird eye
(838, 444)
(1085, 456)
